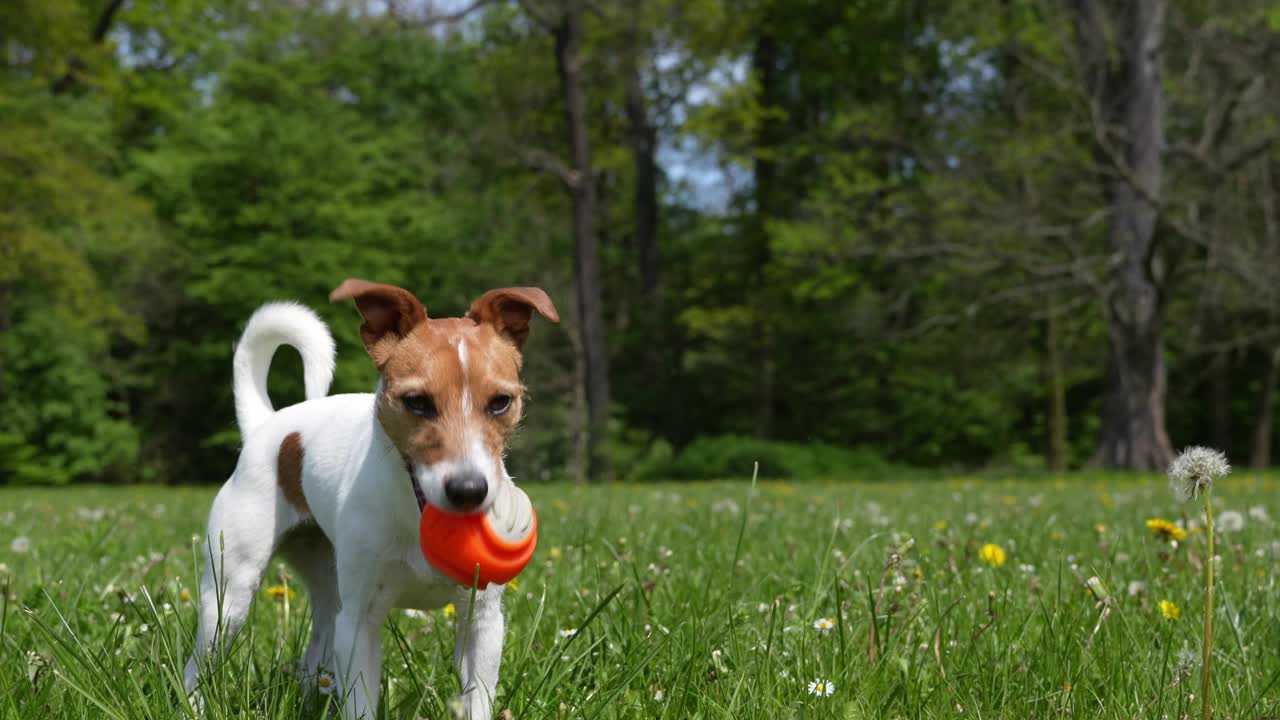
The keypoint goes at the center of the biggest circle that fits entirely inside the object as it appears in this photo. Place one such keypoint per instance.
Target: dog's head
(450, 393)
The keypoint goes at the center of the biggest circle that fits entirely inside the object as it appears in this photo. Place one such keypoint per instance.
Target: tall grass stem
(1205, 672)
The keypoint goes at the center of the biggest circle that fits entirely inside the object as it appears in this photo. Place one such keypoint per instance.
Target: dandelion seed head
(1193, 472)
(1230, 521)
(1187, 661)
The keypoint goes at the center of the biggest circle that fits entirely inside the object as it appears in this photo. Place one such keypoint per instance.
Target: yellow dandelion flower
(555, 552)
(992, 554)
(513, 584)
(1099, 528)
(1169, 610)
(450, 611)
(280, 592)
(184, 595)
(1166, 530)
(940, 525)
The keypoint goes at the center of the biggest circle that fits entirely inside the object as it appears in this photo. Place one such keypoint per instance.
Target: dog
(335, 485)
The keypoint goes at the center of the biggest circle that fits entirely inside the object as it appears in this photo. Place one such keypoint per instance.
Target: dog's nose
(466, 490)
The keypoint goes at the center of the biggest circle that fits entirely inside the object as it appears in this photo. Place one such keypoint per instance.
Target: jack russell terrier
(335, 485)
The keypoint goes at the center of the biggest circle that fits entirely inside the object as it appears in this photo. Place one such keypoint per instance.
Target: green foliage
(76, 241)
(927, 198)
(733, 456)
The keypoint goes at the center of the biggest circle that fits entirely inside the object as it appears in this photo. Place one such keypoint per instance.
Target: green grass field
(700, 601)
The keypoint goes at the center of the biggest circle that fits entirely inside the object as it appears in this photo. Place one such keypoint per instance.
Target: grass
(699, 601)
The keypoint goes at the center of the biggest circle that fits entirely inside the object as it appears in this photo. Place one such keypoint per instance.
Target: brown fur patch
(289, 472)
(427, 362)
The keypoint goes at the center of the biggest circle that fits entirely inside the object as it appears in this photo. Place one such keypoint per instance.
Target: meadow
(911, 599)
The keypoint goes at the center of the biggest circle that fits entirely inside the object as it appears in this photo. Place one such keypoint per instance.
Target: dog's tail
(273, 325)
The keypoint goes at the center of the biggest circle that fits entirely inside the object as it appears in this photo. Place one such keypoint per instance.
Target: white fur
(270, 326)
(466, 377)
(365, 559)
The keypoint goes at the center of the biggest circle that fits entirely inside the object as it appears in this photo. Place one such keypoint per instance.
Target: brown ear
(509, 310)
(389, 313)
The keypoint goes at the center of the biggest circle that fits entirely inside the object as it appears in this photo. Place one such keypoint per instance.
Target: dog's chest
(420, 586)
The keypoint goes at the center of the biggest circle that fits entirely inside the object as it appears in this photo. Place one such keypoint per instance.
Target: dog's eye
(498, 405)
(420, 405)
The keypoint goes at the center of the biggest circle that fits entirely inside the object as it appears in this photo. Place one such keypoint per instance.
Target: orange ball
(455, 544)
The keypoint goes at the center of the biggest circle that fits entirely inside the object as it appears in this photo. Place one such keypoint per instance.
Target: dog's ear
(509, 310)
(389, 313)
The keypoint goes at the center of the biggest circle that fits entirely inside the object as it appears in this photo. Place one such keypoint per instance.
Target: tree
(579, 180)
(1119, 51)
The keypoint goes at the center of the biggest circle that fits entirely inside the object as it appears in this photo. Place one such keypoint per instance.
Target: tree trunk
(1127, 105)
(568, 36)
(1218, 401)
(764, 63)
(643, 138)
(1260, 455)
(580, 460)
(1056, 410)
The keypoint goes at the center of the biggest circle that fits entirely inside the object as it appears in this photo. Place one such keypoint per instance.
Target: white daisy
(20, 544)
(821, 688)
(324, 683)
(823, 625)
(568, 632)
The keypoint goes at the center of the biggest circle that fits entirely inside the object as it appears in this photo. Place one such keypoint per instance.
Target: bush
(729, 456)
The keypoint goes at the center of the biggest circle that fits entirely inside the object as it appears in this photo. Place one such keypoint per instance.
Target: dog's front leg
(357, 646)
(478, 652)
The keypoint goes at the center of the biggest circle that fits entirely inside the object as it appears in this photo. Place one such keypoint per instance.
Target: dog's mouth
(417, 489)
